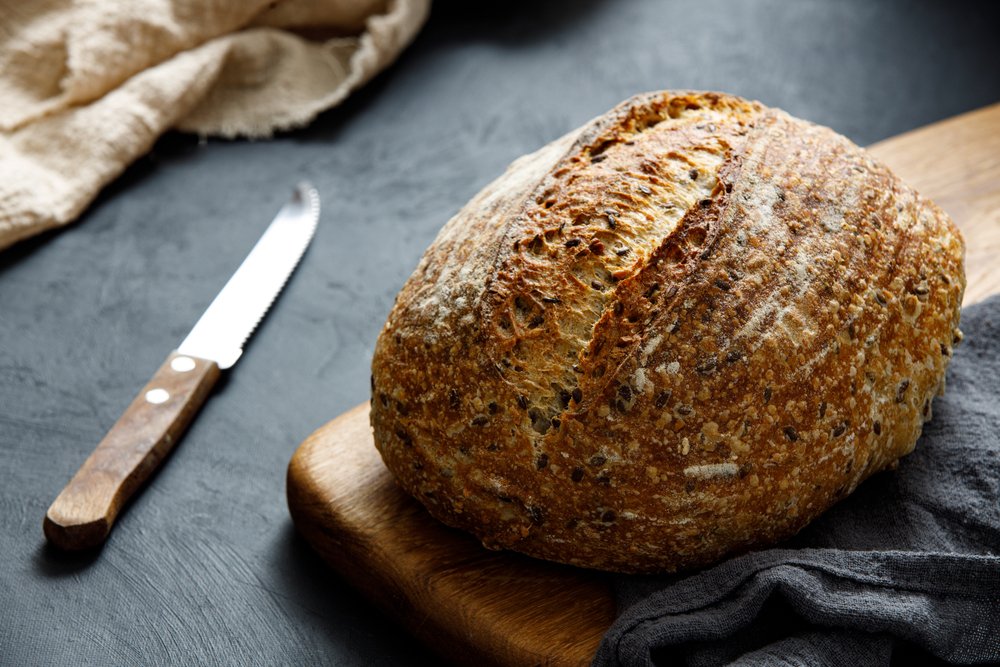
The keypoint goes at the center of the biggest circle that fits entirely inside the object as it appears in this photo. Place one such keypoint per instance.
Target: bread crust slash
(680, 332)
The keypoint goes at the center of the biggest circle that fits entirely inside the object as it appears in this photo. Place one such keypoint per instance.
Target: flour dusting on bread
(682, 331)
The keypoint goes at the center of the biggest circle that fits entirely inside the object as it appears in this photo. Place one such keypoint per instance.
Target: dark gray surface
(204, 566)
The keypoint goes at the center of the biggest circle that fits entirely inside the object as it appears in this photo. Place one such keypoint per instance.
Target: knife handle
(84, 512)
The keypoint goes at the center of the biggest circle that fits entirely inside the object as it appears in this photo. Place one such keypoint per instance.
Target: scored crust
(683, 330)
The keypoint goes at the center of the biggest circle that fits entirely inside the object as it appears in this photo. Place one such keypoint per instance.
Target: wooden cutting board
(480, 607)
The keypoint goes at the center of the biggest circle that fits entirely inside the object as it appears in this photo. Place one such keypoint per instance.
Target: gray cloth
(906, 570)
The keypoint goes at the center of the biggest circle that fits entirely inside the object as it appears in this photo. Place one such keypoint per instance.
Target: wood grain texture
(84, 512)
(477, 606)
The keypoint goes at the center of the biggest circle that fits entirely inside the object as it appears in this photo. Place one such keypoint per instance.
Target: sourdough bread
(682, 331)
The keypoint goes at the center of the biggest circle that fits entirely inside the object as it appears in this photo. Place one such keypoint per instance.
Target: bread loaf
(680, 332)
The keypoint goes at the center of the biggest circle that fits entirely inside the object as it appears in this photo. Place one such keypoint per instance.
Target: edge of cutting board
(472, 605)
(465, 602)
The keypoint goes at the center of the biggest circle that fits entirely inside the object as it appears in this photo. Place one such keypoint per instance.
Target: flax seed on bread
(682, 331)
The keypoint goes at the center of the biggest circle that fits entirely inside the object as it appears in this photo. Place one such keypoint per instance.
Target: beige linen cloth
(87, 86)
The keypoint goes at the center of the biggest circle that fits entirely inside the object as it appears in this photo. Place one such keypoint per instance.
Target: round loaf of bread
(680, 332)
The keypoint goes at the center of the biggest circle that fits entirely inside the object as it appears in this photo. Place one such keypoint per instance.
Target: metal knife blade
(84, 512)
(230, 319)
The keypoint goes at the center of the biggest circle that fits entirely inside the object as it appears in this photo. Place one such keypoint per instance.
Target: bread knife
(84, 512)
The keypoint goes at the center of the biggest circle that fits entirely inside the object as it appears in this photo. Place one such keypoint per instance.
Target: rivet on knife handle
(82, 515)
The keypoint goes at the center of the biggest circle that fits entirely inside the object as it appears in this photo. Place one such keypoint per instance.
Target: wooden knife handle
(83, 514)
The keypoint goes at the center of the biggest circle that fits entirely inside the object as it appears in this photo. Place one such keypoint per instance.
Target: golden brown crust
(684, 330)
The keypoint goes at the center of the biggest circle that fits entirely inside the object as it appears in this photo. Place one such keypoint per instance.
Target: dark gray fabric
(905, 569)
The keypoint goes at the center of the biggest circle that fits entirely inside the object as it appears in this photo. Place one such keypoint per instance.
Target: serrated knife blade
(83, 514)
(233, 315)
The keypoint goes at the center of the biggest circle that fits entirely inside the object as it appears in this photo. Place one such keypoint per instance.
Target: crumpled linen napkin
(903, 570)
(86, 87)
